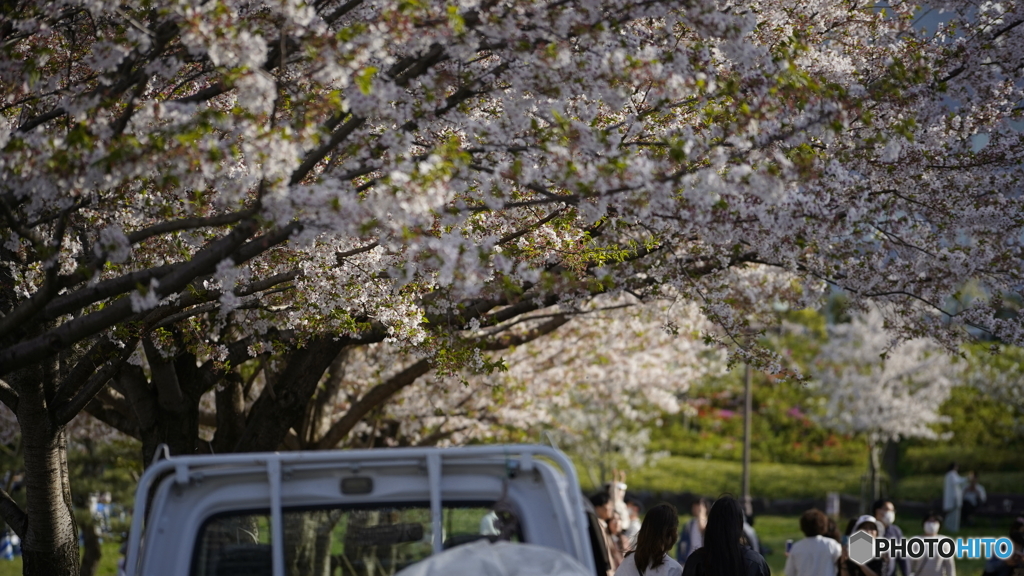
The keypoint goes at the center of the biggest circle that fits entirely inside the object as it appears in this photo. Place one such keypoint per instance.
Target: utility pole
(748, 405)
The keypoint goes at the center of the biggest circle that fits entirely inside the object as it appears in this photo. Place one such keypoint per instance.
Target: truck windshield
(377, 541)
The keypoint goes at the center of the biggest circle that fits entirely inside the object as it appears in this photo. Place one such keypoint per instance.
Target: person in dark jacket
(886, 512)
(725, 551)
(691, 536)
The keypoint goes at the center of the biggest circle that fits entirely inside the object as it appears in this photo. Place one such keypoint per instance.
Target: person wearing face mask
(886, 512)
(932, 565)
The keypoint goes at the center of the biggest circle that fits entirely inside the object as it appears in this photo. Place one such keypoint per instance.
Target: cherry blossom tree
(225, 183)
(616, 366)
(604, 379)
(875, 386)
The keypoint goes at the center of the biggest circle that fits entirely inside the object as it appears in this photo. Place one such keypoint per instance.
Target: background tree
(884, 391)
(602, 381)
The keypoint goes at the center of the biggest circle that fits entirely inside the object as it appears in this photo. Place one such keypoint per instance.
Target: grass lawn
(713, 477)
(107, 567)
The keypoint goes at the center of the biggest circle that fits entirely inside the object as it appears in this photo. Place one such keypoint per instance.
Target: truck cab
(360, 512)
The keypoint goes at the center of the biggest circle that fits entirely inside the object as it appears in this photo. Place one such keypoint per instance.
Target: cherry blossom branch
(341, 256)
(92, 360)
(381, 392)
(373, 398)
(115, 417)
(527, 229)
(20, 315)
(204, 262)
(574, 314)
(63, 412)
(191, 224)
(204, 301)
(88, 295)
(84, 390)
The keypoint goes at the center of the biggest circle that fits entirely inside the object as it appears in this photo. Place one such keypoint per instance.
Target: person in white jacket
(953, 497)
(817, 554)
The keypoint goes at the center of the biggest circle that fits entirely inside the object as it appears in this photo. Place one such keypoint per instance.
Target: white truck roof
(364, 511)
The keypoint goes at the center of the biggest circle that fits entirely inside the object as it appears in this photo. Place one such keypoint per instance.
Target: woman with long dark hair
(658, 534)
(725, 552)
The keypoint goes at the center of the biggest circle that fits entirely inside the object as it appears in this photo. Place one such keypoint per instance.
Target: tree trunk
(284, 405)
(50, 543)
(167, 408)
(891, 461)
(93, 550)
(876, 473)
(309, 550)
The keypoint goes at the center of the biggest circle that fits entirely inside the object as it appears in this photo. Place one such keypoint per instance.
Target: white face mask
(889, 517)
(931, 528)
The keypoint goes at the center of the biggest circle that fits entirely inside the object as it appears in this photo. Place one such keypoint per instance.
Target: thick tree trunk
(283, 406)
(167, 408)
(50, 542)
(230, 397)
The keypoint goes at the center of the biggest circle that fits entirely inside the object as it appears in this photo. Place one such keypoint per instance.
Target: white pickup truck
(359, 512)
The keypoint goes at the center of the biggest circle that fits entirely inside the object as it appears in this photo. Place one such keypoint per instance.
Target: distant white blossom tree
(879, 388)
(613, 374)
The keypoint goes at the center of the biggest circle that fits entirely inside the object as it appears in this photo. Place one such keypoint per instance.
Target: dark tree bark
(93, 551)
(318, 414)
(50, 540)
(167, 408)
(230, 414)
(283, 405)
(309, 549)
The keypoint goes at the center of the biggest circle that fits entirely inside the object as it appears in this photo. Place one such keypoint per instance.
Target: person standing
(953, 497)
(724, 552)
(817, 554)
(932, 565)
(877, 566)
(974, 497)
(604, 509)
(750, 534)
(617, 490)
(692, 536)
(620, 543)
(886, 512)
(635, 509)
(658, 533)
